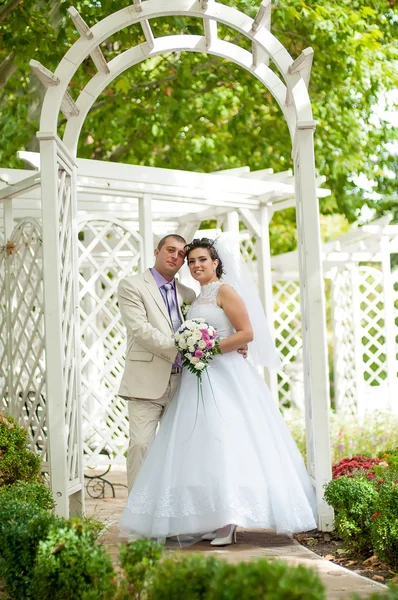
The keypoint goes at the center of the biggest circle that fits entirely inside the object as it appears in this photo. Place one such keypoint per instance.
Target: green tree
(201, 113)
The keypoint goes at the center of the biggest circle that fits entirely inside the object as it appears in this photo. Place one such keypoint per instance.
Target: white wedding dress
(225, 458)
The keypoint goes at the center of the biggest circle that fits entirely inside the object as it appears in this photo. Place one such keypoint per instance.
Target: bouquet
(197, 343)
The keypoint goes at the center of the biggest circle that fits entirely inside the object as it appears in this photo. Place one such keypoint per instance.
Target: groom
(150, 307)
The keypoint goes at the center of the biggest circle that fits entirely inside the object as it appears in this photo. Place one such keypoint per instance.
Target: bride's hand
(243, 350)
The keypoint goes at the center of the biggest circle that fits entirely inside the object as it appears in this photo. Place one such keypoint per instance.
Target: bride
(225, 459)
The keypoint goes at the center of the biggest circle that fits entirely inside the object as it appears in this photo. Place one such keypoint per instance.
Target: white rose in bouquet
(200, 366)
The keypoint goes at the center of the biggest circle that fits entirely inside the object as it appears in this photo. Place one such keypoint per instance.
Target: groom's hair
(175, 236)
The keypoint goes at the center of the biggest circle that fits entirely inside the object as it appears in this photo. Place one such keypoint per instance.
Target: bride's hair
(209, 246)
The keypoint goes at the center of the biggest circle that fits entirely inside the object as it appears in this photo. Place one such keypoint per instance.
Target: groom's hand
(243, 351)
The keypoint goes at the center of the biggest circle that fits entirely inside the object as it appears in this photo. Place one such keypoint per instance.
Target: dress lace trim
(208, 293)
(178, 503)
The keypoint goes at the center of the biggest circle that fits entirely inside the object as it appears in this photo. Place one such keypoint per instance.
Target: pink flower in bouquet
(198, 354)
(209, 344)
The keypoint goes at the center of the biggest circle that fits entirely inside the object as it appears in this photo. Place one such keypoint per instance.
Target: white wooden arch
(290, 93)
(58, 169)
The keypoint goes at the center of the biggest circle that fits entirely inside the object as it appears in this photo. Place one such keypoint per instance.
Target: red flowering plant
(350, 467)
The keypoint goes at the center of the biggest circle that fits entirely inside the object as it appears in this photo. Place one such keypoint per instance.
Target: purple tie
(171, 306)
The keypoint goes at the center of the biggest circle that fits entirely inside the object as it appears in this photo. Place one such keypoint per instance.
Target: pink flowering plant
(197, 343)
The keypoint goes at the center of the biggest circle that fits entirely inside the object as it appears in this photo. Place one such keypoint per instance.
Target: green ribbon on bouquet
(200, 397)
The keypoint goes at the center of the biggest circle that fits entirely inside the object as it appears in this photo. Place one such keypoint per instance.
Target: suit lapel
(157, 296)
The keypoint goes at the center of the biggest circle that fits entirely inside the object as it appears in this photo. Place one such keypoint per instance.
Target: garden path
(339, 582)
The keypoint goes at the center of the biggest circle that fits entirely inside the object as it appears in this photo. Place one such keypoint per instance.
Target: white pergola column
(231, 225)
(61, 318)
(389, 323)
(313, 320)
(145, 230)
(232, 222)
(265, 287)
(55, 388)
(76, 487)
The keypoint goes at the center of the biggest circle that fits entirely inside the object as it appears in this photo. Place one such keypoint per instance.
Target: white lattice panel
(344, 341)
(3, 327)
(248, 251)
(108, 251)
(26, 399)
(68, 324)
(287, 321)
(287, 324)
(372, 325)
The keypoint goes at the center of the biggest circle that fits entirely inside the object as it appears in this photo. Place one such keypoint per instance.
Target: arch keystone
(45, 76)
(259, 56)
(302, 65)
(146, 28)
(86, 33)
(80, 24)
(210, 31)
(263, 17)
(68, 106)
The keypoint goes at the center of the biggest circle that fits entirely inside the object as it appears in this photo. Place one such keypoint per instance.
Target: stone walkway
(339, 582)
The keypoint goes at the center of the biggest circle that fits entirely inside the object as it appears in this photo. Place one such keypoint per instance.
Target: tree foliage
(201, 113)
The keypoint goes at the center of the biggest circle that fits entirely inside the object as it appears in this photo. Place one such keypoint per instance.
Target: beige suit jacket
(151, 351)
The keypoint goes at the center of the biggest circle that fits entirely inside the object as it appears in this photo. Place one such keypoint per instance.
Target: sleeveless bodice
(205, 306)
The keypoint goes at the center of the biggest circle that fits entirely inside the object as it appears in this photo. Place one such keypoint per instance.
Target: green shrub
(139, 559)
(71, 564)
(353, 500)
(393, 460)
(391, 457)
(188, 577)
(17, 462)
(33, 493)
(22, 527)
(201, 577)
(88, 523)
(261, 579)
(384, 528)
(391, 594)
